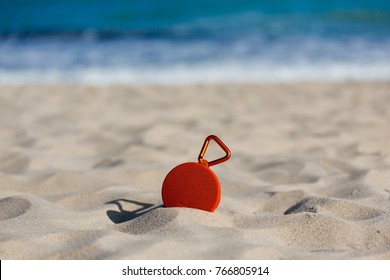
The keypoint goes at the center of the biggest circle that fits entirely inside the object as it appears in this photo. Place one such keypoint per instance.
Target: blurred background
(204, 41)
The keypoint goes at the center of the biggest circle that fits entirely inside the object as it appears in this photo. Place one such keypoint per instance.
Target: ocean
(100, 42)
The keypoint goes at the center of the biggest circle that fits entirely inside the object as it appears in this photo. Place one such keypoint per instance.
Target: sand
(81, 170)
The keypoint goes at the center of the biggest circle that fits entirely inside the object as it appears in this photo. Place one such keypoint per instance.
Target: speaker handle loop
(204, 148)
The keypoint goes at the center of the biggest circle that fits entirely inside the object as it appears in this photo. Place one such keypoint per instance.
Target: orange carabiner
(204, 148)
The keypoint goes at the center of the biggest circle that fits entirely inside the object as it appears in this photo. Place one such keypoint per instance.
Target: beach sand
(81, 170)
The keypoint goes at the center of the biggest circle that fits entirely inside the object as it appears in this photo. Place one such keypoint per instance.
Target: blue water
(172, 41)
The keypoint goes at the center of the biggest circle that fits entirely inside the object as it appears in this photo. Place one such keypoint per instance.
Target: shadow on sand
(122, 215)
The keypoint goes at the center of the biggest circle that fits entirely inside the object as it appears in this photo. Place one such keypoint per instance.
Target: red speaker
(194, 184)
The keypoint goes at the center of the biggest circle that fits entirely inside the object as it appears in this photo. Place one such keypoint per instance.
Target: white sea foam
(184, 74)
(167, 62)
